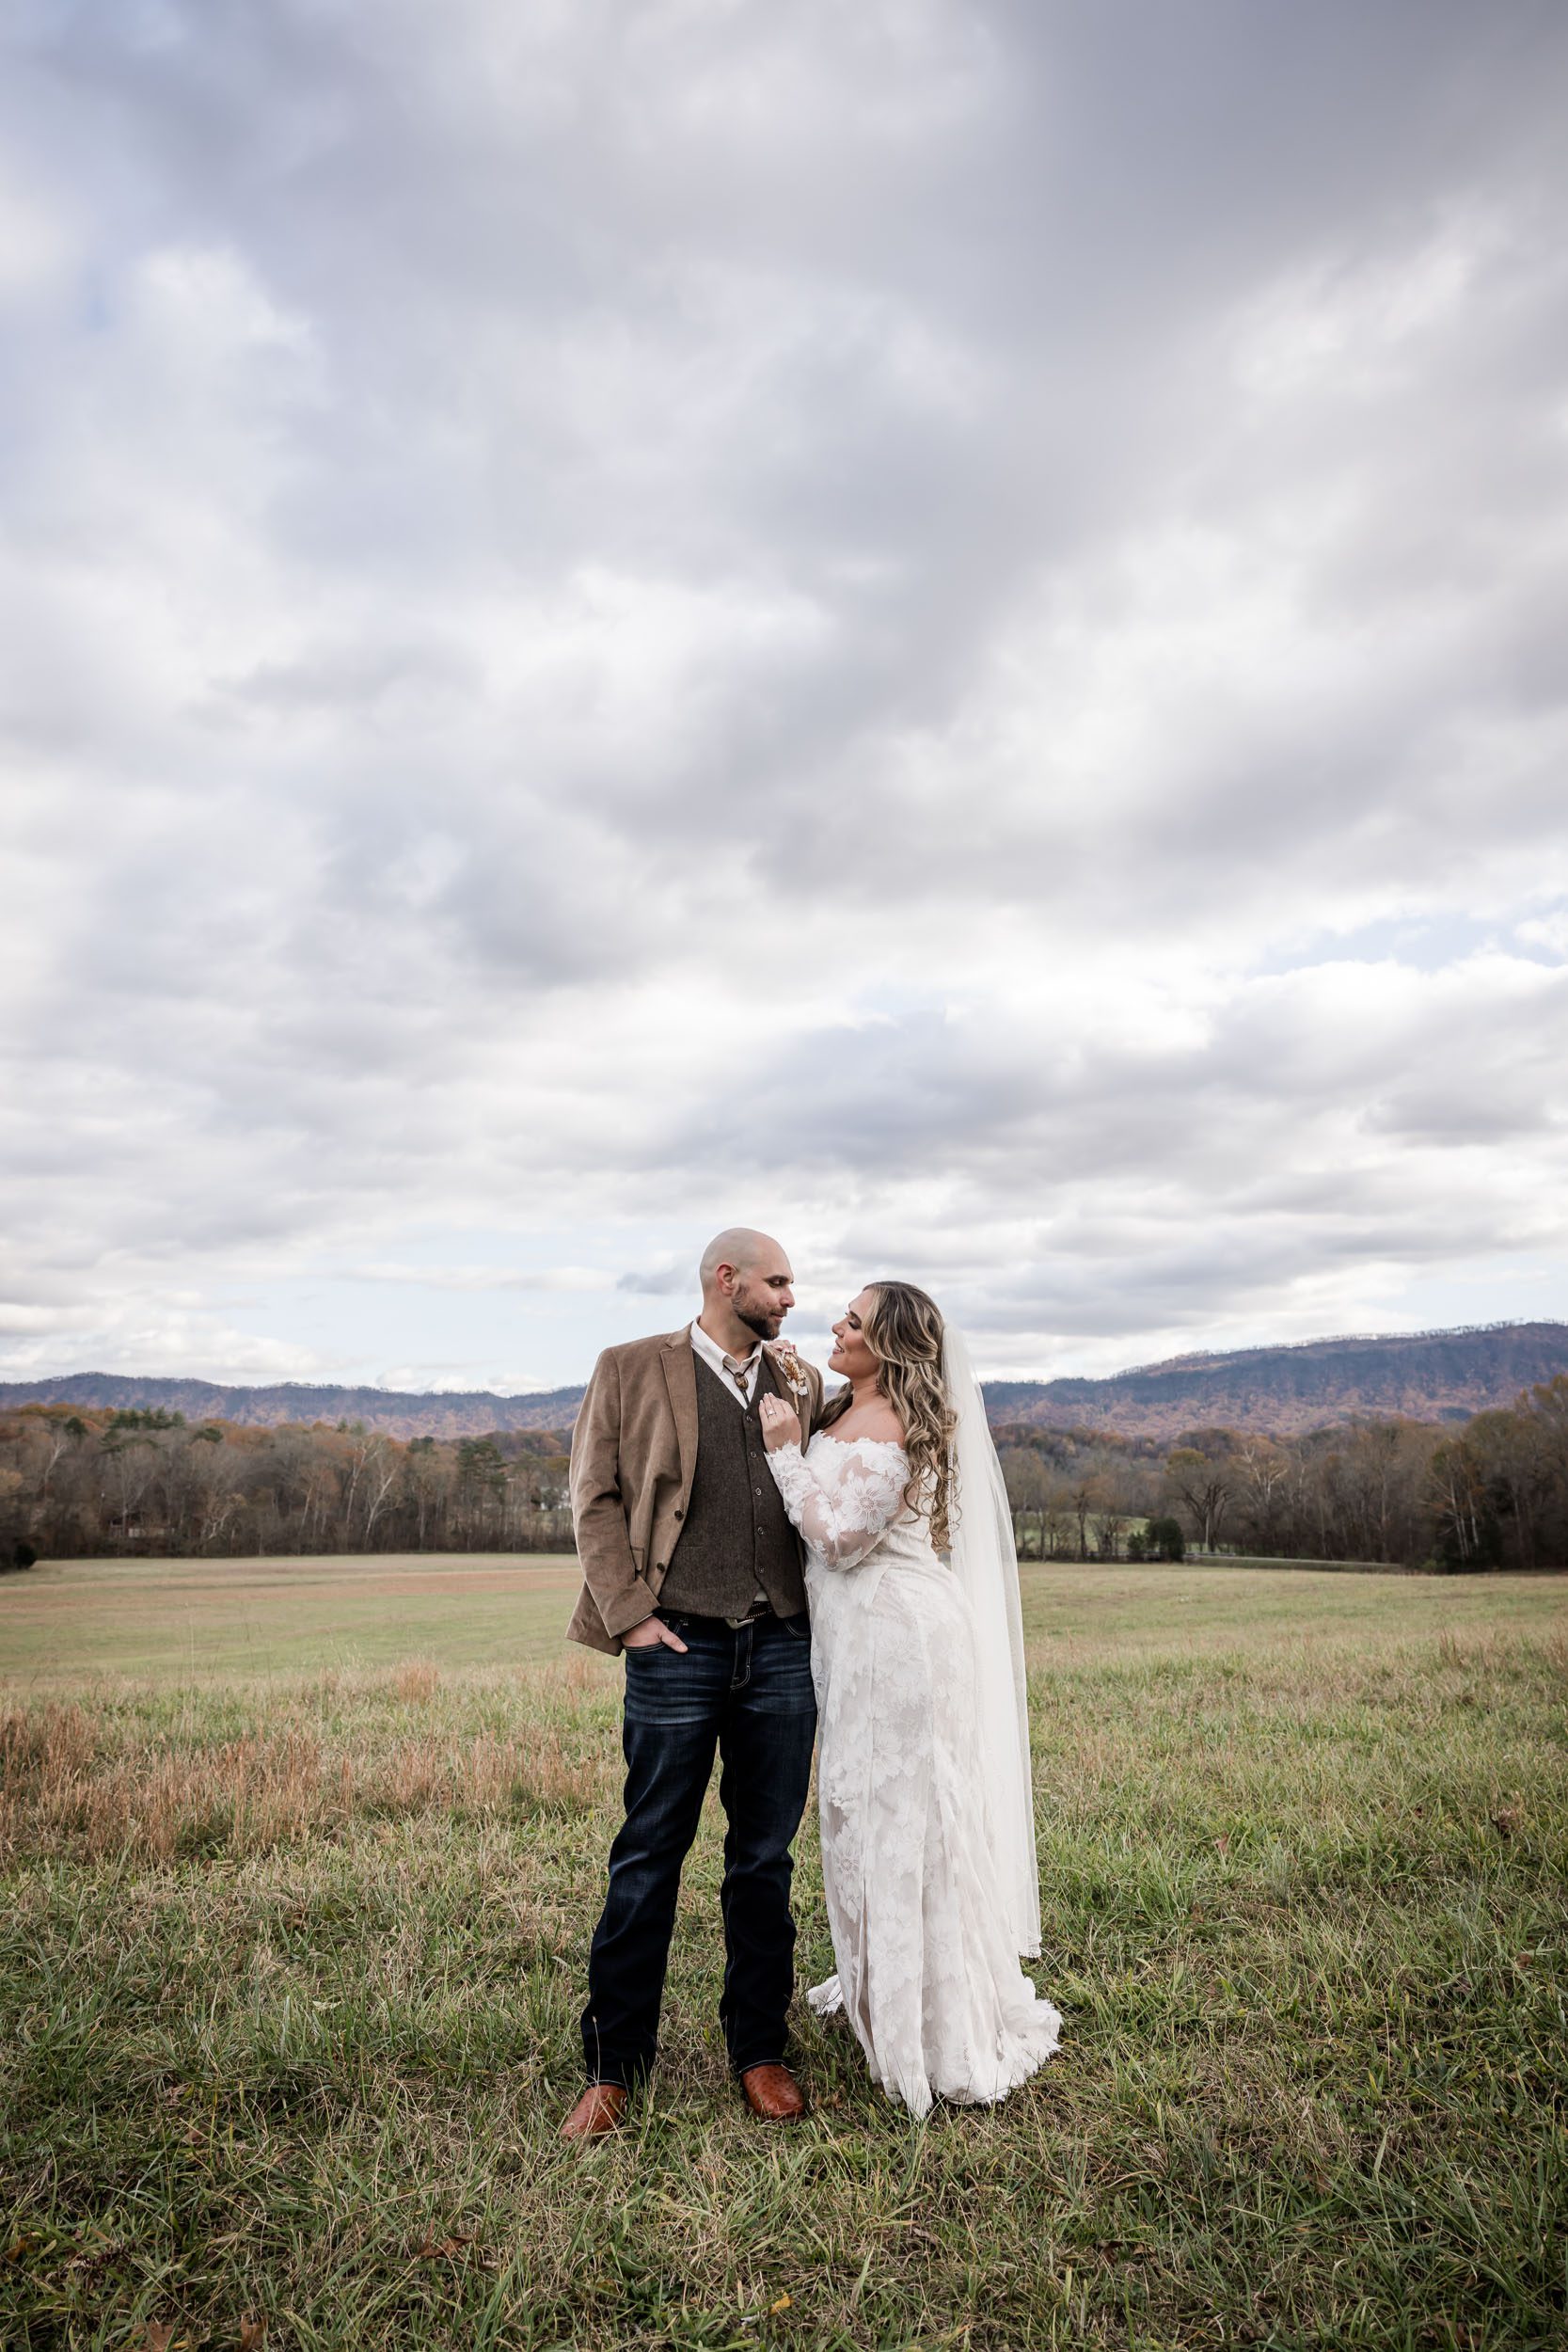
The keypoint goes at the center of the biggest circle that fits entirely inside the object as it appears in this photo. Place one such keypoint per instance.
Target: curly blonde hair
(903, 1328)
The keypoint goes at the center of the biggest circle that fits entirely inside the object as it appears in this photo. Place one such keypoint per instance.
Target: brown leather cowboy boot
(772, 2092)
(599, 2110)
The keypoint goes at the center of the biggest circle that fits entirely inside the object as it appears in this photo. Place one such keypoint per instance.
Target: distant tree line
(1489, 1493)
(76, 1482)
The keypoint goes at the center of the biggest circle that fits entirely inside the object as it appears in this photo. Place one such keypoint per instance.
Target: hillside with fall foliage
(1279, 1391)
(1283, 1391)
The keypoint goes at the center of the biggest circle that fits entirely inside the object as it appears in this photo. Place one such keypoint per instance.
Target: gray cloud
(660, 1282)
(617, 618)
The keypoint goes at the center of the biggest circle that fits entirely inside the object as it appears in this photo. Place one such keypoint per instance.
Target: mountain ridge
(1285, 1389)
(1280, 1391)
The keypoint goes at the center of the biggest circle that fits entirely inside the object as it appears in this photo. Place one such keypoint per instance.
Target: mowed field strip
(301, 1859)
(173, 1620)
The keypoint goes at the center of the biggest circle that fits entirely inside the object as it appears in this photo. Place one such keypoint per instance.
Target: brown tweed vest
(736, 1535)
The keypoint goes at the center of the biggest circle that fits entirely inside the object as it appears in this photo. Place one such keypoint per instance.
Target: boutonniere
(788, 1365)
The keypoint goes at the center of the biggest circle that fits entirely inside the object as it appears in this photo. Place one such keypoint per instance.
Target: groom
(693, 1569)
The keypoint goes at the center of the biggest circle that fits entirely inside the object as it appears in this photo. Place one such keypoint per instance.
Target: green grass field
(301, 1860)
(182, 1620)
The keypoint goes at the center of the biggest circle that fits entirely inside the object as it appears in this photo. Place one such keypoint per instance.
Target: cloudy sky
(941, 625)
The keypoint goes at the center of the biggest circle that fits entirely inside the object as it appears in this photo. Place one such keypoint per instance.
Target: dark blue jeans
(747, 1691)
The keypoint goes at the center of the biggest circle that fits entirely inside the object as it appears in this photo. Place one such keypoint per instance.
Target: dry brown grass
(91, 1786)
(418, 1682)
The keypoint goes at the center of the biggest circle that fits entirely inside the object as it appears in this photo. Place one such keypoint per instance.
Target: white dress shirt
(727, 1367)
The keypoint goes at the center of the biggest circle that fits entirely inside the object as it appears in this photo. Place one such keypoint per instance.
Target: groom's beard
(767, 1327)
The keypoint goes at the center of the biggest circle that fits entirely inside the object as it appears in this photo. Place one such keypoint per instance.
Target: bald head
(739, 1246)
(748, 1288)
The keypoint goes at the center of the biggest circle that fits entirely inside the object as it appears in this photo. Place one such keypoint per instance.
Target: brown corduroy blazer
(634, 1456)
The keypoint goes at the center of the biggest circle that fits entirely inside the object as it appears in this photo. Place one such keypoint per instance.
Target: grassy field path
(301, 1859)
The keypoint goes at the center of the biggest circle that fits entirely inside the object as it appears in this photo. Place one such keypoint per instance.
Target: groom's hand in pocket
(650, 1634)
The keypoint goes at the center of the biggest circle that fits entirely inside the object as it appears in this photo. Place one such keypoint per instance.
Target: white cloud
(940, 629)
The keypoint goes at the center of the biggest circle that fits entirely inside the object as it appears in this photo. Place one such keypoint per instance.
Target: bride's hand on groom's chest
(780, 1423)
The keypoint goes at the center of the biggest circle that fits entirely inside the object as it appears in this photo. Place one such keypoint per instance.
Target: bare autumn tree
(15, 1552)
(1382, 1470)
(1520, 1459)
(1467, 1528)
(1203, 1485)
(1058, 1520)
(1545, 1407)
(1027, 1482)
(427, 1487)
(204, 1489)
(380, 1474)
(1081, 1502)
(1262, 1471)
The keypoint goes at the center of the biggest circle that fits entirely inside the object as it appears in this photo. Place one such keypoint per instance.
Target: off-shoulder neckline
(892, 1444)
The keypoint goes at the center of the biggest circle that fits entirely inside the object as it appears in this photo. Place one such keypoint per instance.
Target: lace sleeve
(842, 1525)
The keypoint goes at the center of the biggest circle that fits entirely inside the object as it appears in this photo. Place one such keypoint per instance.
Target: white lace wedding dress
(927, 1972)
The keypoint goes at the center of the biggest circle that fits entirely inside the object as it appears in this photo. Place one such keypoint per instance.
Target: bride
(917, 1650)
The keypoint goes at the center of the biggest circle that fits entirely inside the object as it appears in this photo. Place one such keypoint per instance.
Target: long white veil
(986, 1564)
